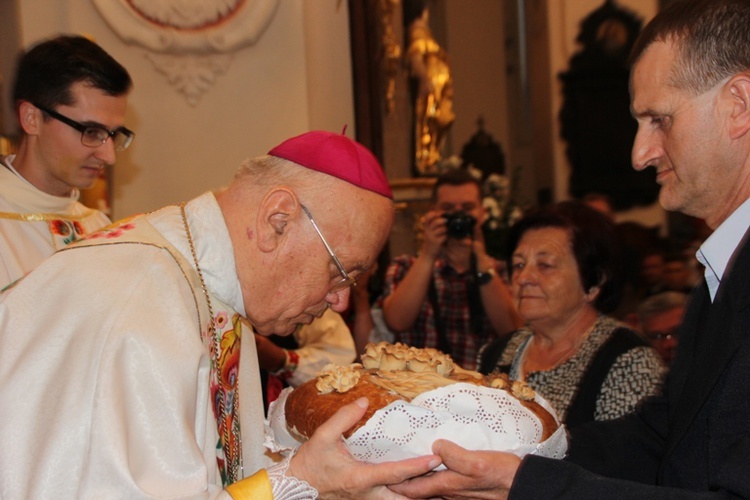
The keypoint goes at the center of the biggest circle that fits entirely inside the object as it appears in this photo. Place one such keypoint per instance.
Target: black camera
(459, 225)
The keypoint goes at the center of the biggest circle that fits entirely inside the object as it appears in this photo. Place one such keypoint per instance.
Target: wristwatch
(484, 277)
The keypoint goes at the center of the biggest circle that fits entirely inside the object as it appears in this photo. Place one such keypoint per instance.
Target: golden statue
(433, 107)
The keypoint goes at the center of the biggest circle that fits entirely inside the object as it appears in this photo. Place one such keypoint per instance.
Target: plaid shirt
(453, 301)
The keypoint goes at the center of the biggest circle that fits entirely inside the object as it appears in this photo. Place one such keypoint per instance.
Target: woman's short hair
(594, 246)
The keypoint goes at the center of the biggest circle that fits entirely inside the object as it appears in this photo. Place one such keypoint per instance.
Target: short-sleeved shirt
(454, 294)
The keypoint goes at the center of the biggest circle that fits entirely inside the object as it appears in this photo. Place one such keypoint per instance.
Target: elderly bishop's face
(356, 224)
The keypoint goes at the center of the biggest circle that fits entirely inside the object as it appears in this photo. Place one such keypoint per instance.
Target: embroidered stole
(224, 348)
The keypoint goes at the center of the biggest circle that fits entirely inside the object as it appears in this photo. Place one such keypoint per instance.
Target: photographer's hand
(401, 308)
(434, 234)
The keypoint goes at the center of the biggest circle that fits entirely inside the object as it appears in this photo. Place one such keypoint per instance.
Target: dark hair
(455, 177)
(594, 245)
(47, 71)
(712, 41)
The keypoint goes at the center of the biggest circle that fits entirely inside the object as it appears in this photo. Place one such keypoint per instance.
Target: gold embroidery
(44, 217)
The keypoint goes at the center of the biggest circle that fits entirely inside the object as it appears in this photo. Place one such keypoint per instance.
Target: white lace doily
(476, 418)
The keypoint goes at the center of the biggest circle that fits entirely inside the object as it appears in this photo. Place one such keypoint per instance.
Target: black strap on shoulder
(491, 353)
(583, 406)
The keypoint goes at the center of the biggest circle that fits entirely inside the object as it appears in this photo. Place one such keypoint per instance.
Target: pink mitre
(336, 155)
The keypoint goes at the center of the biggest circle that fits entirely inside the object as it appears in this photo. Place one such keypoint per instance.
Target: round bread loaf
(391, 372)
(306, 408)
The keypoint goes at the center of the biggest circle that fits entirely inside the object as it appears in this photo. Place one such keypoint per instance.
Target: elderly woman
(564, 270)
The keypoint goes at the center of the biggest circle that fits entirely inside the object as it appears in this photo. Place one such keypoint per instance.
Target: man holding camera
(450, 296)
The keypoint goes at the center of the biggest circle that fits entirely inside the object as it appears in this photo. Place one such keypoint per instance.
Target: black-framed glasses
(346, 281)
(94, 136)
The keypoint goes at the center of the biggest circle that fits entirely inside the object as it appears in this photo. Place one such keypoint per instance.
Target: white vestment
(327, 340)
(33, 224)
(104, 376)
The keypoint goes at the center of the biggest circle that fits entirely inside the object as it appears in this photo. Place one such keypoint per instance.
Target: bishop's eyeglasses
(346, 281)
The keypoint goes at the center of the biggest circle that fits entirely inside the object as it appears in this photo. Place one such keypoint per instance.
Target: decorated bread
(388, 373)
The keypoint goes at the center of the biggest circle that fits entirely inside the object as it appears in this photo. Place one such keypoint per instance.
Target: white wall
(297, 77)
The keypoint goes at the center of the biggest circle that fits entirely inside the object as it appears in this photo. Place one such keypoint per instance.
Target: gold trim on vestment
(43, 217)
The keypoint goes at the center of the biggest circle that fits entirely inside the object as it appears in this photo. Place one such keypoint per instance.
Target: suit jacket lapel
(697, 308)
(710, 336)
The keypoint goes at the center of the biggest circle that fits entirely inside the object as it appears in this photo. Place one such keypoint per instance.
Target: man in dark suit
(690, 93)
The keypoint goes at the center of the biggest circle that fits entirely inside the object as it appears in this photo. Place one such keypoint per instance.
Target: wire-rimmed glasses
(346, 281)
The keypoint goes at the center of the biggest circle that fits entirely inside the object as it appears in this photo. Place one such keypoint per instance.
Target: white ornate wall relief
(189, 41)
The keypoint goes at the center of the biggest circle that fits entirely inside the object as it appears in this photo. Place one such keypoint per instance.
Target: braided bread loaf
(391, 372)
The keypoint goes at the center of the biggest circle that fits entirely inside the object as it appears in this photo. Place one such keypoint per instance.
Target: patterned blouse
(636, 374)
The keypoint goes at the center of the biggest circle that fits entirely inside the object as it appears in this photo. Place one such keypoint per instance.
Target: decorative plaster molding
(189, 41)
(190, 74)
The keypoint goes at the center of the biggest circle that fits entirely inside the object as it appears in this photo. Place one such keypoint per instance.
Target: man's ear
(739, 88)
(29, 117)
(274, 214)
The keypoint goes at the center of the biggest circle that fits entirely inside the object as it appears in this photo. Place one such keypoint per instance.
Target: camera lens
(459, 225)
